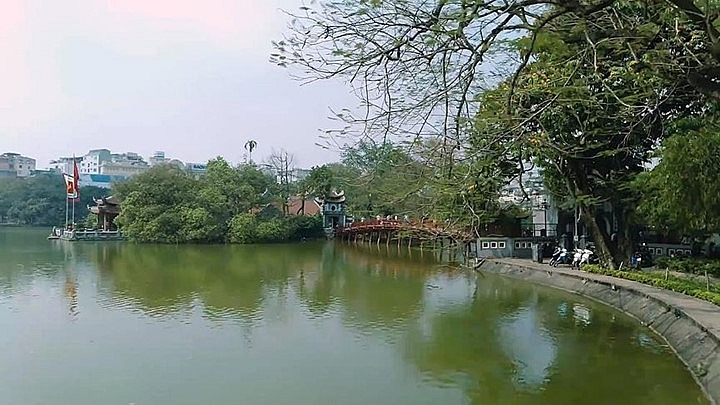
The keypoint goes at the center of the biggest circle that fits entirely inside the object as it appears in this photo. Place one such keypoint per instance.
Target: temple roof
(333, 197)
(108, 209)
(107, 201)
(108, 205)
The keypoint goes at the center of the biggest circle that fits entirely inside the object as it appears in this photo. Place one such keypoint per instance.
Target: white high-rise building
(93, 160)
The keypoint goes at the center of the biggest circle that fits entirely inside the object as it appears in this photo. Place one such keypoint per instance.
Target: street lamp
(544, 205)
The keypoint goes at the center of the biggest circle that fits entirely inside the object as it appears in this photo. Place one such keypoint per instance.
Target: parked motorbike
(588, 257)
(556, 255)
(565, 257)
(577, 258)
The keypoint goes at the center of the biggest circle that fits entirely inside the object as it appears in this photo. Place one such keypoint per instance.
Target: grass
(705, 291)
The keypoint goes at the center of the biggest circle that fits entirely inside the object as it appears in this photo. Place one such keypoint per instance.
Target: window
(517, 245)
(688, 252)
(501, 245)
(486, 245)
(493, 245)
(671, 252)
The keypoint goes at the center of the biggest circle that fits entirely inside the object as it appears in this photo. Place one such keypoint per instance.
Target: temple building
(333, 210)
(106, 209)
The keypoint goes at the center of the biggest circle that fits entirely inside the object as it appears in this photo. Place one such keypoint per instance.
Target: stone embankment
(690, 326)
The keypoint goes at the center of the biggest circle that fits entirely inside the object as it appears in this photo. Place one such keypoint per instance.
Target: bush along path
(708, 291)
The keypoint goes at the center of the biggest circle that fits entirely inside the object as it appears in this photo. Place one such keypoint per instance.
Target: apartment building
(16, 165)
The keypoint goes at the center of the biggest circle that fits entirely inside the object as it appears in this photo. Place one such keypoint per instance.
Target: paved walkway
(701, 312)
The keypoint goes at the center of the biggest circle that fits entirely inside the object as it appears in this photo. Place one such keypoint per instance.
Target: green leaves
(167, 205)
(682, 193)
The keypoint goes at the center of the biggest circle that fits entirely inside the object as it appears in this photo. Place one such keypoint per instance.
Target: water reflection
(330, 323)
(71, 295)
(530, 346)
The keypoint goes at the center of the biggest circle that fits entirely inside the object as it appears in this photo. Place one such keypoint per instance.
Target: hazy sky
(188, 77)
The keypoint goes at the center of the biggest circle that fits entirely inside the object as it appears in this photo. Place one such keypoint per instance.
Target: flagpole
(76, 189)
(66, 211)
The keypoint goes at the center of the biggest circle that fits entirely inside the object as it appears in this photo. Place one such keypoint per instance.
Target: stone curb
(690, 326)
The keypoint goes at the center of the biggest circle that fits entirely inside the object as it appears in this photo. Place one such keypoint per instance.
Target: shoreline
(690, 326)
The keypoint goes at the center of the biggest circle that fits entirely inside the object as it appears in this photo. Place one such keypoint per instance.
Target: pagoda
(106, 209)
(333, 210)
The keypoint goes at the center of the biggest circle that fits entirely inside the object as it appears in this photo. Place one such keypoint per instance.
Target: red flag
(76, 180)
(70, 187)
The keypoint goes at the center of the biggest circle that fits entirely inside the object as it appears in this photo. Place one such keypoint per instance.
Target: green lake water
(312, 323)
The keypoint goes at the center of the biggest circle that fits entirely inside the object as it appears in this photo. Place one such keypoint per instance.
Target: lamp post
(544, 206)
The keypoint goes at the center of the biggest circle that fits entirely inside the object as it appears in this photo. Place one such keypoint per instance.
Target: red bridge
(387, 229)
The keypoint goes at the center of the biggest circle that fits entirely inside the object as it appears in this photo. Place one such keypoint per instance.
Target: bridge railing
(426, 225)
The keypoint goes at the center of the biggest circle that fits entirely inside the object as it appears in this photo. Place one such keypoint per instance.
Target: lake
(310, 323)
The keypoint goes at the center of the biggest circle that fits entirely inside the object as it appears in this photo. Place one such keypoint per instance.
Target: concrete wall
(499, 247)
(663, 249)
(694, 338)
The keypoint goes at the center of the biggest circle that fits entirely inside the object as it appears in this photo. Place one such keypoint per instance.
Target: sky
(187, 77)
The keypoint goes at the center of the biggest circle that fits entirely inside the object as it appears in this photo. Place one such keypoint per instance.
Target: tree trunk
(302, 207)
(624, 240)
(603, 250)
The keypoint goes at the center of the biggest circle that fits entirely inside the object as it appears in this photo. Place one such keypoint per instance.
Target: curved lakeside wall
(690, 326)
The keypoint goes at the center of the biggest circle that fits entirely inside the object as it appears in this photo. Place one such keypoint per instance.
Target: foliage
(590, 112)
(40, 200)
(682, 192)
(585, 89)
(691, 265)
(688, 287)
(227, 204)
(274, 230)
(384, 178)
(305, 227)
(243, 229)
(320, 182)
(250, 146)
(91, 222)
(154, 204)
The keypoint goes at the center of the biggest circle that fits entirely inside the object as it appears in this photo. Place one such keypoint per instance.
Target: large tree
(586, 93)
(589, 112)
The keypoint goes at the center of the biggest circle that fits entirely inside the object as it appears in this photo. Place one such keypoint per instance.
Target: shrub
(242, 229)
(305, 227)
(693, 265)
(688, 287)
(271, 231)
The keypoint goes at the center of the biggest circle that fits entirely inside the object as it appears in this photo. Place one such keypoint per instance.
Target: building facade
(101, 168)
(196, 169)
(92, 161)
(16, 165)
(123, 168)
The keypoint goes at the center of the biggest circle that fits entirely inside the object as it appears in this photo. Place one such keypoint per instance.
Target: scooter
(577, 257)
(588, 257)
(565, 257)
(556, 255)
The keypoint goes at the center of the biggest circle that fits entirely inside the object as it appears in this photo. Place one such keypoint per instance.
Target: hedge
(688, 287)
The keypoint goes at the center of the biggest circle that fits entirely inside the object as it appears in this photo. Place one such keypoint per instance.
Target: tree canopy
(682, 193)
(40, 200)
(227, 204)
(479, 90)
